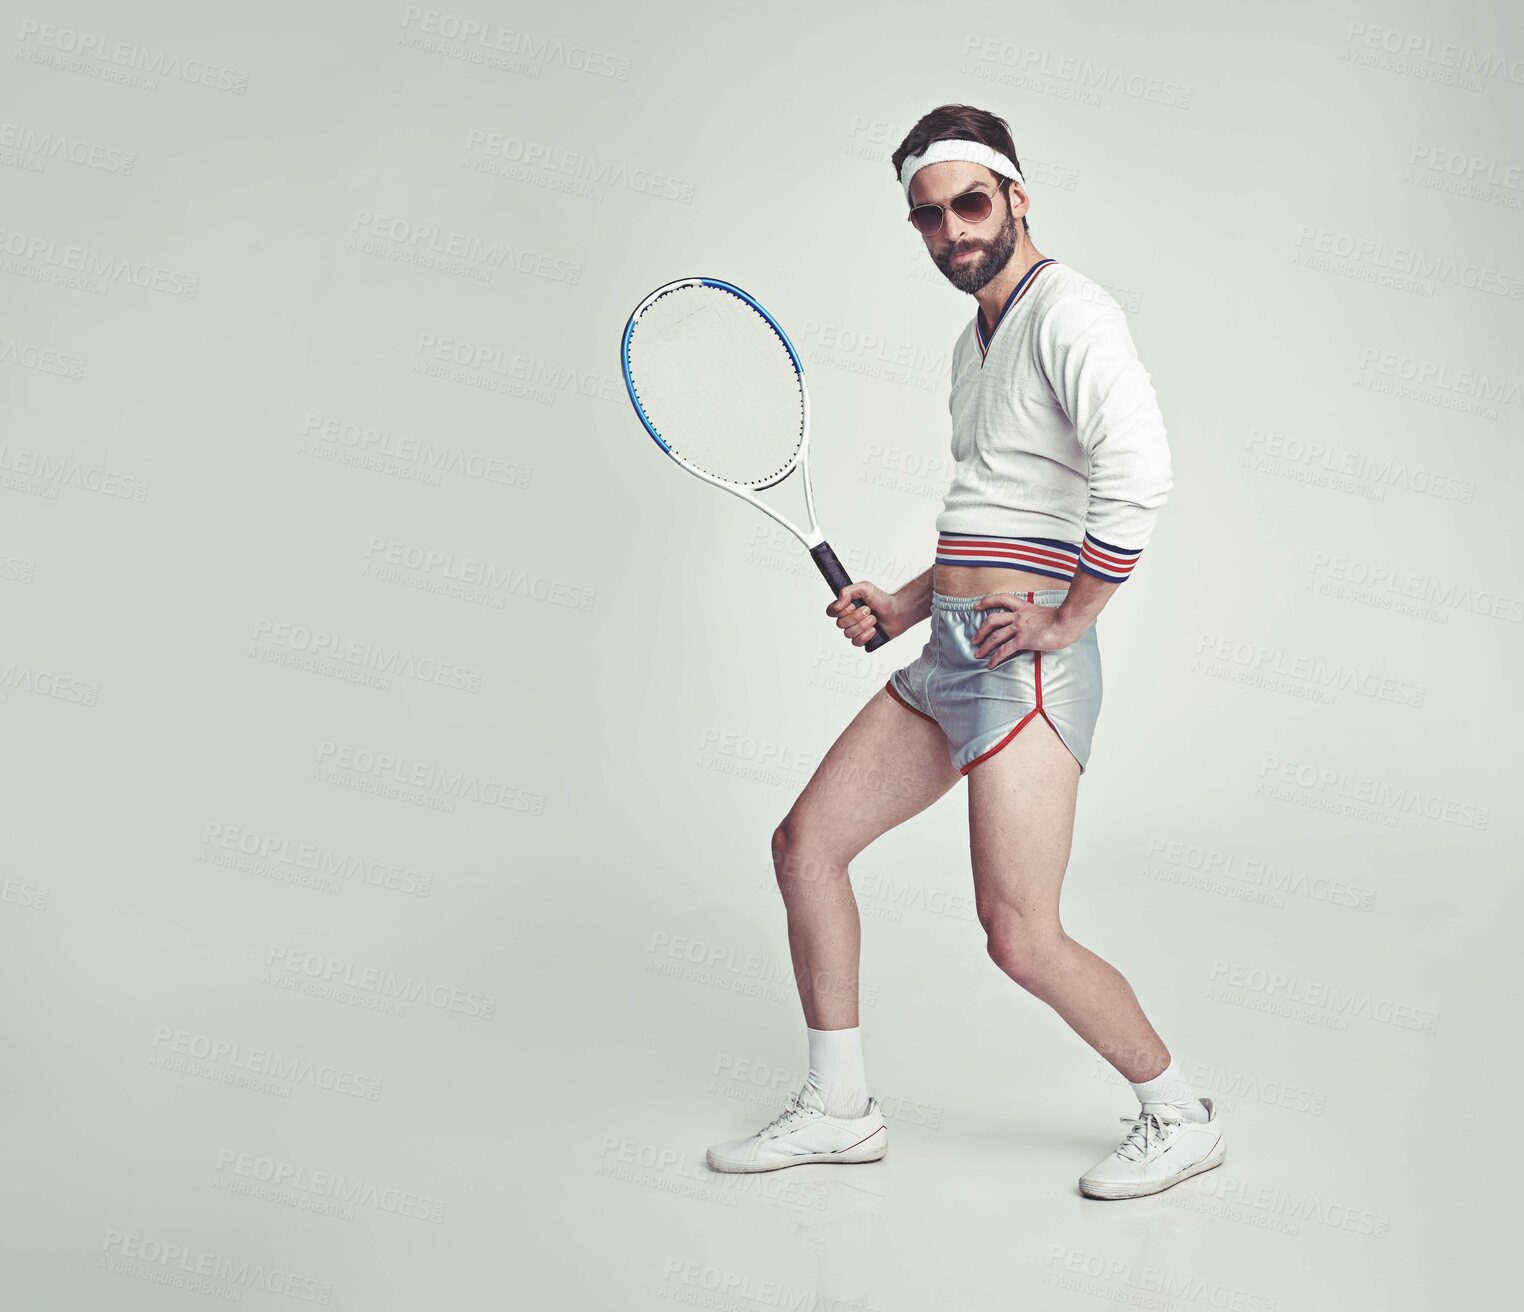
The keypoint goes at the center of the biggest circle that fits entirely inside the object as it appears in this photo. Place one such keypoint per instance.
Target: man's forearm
(1086, 596)
(915, 596)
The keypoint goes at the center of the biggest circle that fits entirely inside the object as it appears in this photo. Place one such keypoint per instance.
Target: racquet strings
(718, 384)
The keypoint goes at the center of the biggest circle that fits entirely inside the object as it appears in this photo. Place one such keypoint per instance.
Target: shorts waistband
(1038, 596)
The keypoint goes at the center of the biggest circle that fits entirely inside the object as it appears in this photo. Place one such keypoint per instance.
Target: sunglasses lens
(974, 206)
(926, 219)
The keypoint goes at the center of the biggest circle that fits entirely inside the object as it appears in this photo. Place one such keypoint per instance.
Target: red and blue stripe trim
(1017, 292)
(1050, 556)
(1038, 555)
(1105, 561)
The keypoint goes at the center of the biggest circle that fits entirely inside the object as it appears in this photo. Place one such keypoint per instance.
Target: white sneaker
(803, 1132)
(1161, 1149)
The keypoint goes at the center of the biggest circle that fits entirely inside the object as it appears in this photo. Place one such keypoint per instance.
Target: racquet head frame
(810, 536)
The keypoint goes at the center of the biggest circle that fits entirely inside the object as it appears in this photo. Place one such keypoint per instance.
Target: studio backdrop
(393, 736)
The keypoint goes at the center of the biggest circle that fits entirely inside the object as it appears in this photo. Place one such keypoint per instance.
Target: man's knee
(1027, 948)
(783, 842)
(801, 864)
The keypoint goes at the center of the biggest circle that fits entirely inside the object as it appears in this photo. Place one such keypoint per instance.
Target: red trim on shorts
(1022, 724)
(889, 688)
(1025, 719)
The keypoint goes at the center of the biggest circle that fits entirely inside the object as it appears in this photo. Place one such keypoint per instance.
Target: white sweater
(1060, 450)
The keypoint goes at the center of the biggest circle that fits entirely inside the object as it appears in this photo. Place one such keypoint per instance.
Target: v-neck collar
(1017, 293)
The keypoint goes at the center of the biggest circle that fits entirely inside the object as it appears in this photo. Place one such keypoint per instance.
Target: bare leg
(888, 765)
(1021, 805)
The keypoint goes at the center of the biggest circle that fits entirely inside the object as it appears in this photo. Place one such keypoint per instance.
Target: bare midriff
(980, 580)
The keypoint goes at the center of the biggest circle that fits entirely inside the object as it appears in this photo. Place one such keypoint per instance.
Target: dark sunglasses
(972, 206)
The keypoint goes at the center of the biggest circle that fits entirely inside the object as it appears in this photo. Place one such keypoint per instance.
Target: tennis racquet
(716, 381)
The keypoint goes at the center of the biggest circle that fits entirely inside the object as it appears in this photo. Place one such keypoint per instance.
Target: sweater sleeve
(1086, 351)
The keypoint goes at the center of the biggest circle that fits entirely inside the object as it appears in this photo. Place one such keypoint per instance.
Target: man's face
(969, 254)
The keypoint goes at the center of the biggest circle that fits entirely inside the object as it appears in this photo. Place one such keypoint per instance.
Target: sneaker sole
(1100, 1190)
(848, 1156)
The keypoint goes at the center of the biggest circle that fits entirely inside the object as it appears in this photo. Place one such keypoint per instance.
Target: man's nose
(954, 229)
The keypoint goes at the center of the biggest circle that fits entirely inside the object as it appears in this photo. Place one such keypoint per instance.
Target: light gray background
(1296, 836)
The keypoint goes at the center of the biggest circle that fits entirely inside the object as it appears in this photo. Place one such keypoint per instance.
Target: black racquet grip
(838, 578)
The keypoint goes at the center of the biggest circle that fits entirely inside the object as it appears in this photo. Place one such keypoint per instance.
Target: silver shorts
(981, 710)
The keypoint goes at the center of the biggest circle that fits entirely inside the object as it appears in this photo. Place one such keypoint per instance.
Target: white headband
(975, 152)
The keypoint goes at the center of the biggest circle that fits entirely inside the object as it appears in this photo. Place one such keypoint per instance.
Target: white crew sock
(836, 1070)
(1170, 1086)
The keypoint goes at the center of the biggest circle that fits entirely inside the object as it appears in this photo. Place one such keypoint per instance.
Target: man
(1061, 466)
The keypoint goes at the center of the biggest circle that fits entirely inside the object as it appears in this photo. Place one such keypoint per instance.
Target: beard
(971, 275)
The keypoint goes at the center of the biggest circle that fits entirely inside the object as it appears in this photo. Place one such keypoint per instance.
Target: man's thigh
(1021, 804)
(889, 764)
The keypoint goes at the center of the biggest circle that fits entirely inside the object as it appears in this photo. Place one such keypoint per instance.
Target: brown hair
(960, 123)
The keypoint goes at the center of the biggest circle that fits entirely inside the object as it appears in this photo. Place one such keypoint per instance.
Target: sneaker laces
(1145, 1129)
(795, 1107)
